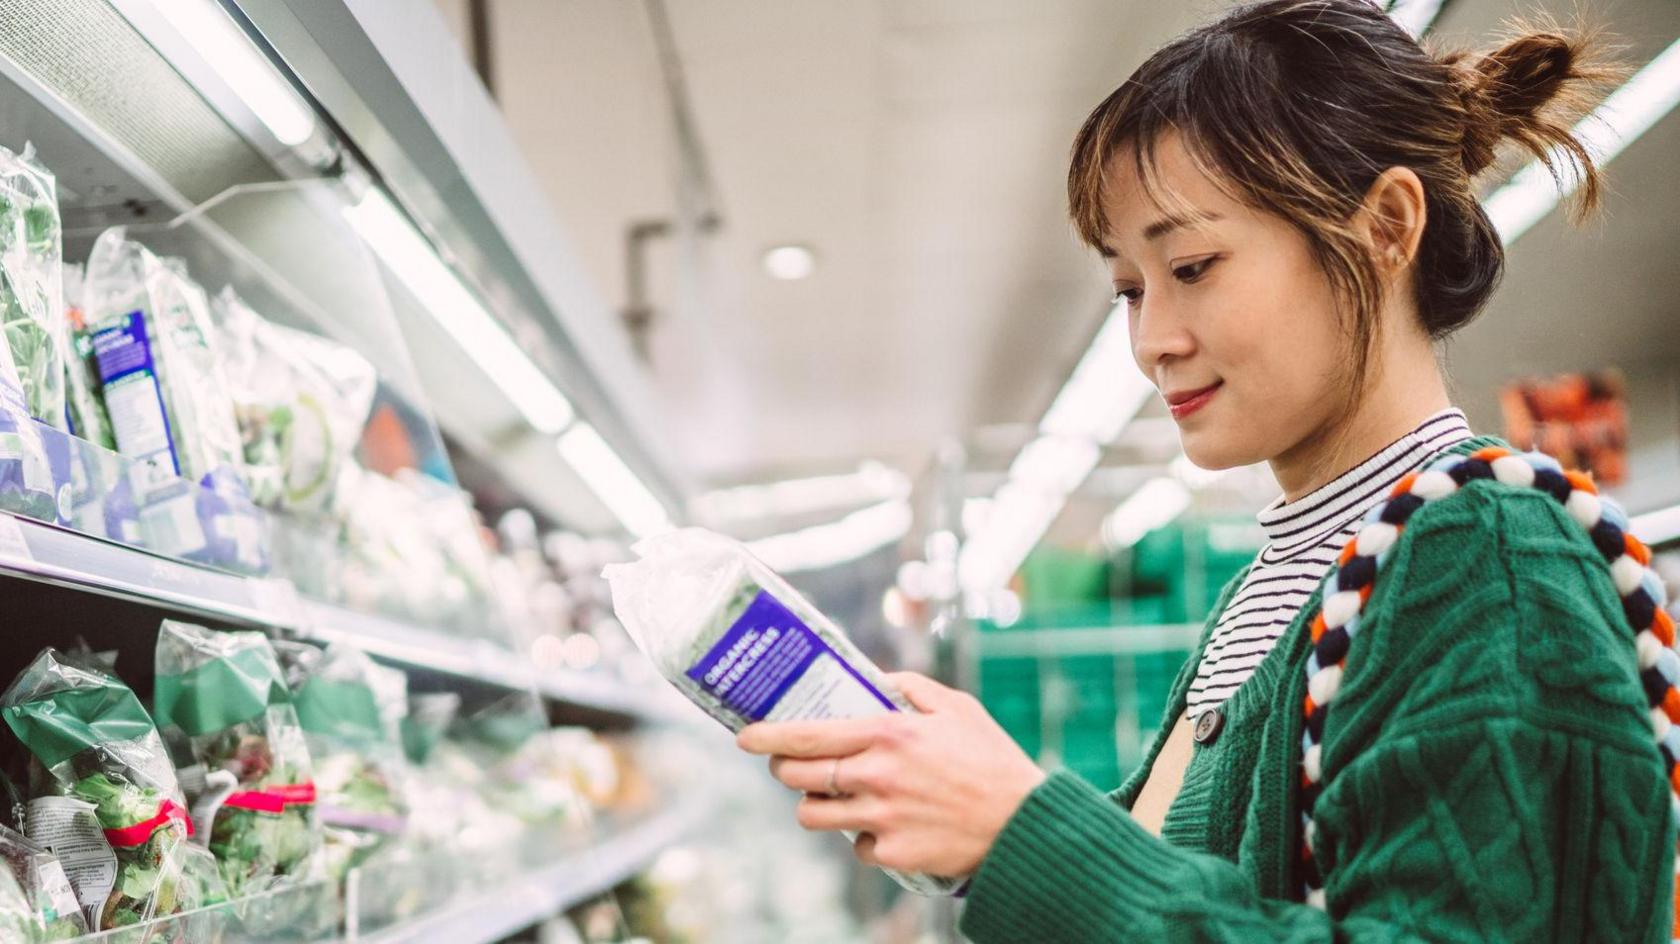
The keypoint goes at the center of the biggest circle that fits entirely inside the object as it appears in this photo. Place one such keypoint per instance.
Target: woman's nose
(1158, 334)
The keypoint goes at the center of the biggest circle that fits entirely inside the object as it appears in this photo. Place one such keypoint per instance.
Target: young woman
(1459, 749)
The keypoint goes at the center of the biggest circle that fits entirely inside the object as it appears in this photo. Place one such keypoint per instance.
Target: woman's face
(1228, 298)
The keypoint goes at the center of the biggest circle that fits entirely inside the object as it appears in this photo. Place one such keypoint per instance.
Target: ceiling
(919, 146)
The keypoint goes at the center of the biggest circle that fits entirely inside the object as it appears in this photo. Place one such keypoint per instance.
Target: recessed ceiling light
(789, 263)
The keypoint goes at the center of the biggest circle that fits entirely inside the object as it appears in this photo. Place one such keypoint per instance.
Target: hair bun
(1508, 91)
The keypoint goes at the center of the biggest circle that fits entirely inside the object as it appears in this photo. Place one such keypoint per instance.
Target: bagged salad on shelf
(103, 787)
(741, 643)
(54, 913)
(32, 282)
(301, 402)
(222, 696)
(155, 350)
(84, 408)
(356, 752)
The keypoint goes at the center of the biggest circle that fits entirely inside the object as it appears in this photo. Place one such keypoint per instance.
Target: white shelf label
(12, 545)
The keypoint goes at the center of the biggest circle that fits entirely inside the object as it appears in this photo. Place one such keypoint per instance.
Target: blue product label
(770, 666)
(128, 377)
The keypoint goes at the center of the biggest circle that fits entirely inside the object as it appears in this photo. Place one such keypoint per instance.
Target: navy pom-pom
(1400, 508)
(1332, 646)
(1358, 573)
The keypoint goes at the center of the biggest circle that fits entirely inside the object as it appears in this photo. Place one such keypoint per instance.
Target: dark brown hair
(1297, 106)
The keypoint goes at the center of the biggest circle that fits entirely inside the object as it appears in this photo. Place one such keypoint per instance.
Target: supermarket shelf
(491, 916)
(37, 551)
(484, 661)
(50, 554)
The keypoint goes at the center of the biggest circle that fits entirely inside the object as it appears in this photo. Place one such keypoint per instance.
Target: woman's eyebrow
(1166, 225)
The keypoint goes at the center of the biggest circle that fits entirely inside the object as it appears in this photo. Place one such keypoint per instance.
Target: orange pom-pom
(1404, 485)
(1490, 453)
(1636, 549)
(1581, 480)
(1662, 627)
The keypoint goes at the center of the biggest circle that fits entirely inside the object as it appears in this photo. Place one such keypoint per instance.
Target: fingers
(864, 849)
(810, 738)
(810, 776)
(837, 814)
(924, 693)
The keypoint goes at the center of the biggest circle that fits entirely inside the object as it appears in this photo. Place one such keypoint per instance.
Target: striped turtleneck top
(1303, 538)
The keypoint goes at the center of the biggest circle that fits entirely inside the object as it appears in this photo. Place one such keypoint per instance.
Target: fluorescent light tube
(1156, 503)
(1105, 390)
(825, 545)
(229, 52)
(436, 287)
(872, 482)
(630, 501)
(1055, 465)
(1629, 112)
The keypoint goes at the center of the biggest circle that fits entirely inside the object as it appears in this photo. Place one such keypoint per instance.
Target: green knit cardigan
(1489, 771)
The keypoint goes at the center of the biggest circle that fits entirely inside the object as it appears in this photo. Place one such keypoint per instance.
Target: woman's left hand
(930, 791)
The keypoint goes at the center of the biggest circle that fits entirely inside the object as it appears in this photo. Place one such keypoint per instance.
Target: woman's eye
(1193, 271)
(1130, 295)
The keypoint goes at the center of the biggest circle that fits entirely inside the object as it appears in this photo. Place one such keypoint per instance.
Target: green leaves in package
(354, 744)
(100, 772)
(301, 401)
(222, 694)
(155, 350)
(32, 282)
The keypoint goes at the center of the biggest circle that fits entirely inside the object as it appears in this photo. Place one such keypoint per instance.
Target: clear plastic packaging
(83, 405)
(342, 699)
(54, 914)
(95, 751)
(741, 643)
(301, 401)
(154, 347)
(221, 694)
(32, 282)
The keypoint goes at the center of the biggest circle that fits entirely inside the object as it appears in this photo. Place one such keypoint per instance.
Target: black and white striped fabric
(1303, 538)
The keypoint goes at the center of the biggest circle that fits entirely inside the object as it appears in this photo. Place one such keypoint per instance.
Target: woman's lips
(1194, 402)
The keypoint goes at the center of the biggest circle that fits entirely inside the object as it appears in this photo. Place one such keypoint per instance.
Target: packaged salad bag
(155, 351)
(31, 282)
(741, 643)
(104, 794)
(54, 913)
(222, 696)
(84, 409)
(154, 347)
(301, 402)
(357, 754)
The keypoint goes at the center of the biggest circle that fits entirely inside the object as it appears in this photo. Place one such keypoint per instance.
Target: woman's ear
(1393, 216)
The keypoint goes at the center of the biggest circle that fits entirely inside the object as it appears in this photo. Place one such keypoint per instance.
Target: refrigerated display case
(300, 249)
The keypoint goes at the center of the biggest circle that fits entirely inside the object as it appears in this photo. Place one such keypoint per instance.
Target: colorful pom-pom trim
(1349, 583)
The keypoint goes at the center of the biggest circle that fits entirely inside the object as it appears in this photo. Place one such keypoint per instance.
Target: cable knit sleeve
(1489, 773)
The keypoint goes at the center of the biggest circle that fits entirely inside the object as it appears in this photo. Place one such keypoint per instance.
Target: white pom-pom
(1513, 471)
(1315, 898)
(1627, 573)
(1325, 684)
(1310, 764)
(1310, 831)
(1584, 508)
(1433, 484)
(1660, 723)
(1374, 539)
(1649, 647)
(1341, 607)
